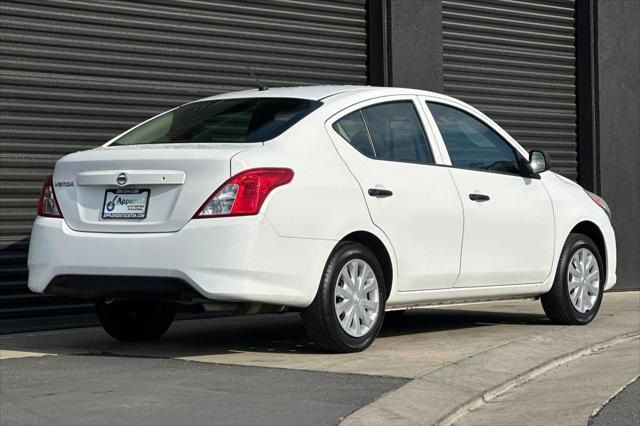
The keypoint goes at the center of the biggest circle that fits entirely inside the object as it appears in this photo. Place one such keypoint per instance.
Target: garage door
(76, 73)
(515, 61)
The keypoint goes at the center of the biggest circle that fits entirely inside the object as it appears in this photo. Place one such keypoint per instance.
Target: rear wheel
(576, 294)
(132, 321)
(347, 312)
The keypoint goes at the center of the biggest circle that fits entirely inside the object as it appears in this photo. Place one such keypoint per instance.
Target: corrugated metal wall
(515, 61)
(74, 73)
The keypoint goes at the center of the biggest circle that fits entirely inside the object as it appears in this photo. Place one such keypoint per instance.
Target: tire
(397, 314)
(557, 303)
(324, 319)
(132, 321)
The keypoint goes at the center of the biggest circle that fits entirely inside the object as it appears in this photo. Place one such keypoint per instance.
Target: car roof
(300, 92)
(311, 92)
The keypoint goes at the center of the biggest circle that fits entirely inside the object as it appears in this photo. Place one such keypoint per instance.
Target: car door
(411, 199)
(508, 218)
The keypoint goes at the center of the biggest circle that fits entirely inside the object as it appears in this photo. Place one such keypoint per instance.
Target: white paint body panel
(570, 208)
(423, 217)
(190, 173)
(508, 239)
(231, 259)
(278, 256)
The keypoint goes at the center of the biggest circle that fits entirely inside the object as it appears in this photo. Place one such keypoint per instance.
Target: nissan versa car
(339, 202)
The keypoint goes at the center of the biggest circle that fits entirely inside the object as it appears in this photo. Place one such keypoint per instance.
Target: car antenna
(260, 86)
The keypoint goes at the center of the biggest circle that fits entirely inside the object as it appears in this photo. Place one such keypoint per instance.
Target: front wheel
(347, 312)
(577, 290)
(133, 321)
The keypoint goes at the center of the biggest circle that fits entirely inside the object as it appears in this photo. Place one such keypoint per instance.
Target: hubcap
(583, 279)
(357, 298)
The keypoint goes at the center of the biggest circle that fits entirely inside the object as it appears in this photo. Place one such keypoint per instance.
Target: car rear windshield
(222, 121)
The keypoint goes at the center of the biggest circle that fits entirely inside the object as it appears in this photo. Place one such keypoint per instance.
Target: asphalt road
(100, 389)
(622, 409)
(264, 370)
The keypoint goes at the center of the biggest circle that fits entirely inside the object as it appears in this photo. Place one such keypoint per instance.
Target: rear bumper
(239, 259)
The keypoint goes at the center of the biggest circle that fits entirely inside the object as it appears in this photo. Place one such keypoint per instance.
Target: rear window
(222, 121)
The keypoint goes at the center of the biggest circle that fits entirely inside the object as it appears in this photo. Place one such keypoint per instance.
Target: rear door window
(389, 131)
(396, 132)
(222, 121)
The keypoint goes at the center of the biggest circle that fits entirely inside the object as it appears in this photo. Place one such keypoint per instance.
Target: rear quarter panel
(323, 200)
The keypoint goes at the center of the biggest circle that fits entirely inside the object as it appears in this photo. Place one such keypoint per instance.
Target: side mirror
(539, 161)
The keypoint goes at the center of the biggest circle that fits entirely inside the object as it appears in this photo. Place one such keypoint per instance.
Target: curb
(529, 375)
(444, 395)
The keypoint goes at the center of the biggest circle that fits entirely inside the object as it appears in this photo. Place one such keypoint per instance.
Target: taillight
(47, 203)
(244, 193)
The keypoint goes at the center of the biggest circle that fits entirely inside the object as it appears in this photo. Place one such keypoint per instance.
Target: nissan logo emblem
(121, 179)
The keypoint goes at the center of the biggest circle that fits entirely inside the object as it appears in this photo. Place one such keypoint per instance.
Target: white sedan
(340, 202)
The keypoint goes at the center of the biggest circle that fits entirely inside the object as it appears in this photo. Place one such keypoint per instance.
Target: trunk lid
(140, 188)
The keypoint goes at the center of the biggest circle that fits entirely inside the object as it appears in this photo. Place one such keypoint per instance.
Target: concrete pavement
(455, 359)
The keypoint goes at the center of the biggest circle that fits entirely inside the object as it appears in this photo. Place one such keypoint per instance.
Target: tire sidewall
(340, 258)
(127, 320)
(579, 243)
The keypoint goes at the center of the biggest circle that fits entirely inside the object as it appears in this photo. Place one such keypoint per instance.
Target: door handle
(380, 193)
(479, 197)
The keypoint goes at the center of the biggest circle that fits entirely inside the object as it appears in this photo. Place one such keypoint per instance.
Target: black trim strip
(119, 286)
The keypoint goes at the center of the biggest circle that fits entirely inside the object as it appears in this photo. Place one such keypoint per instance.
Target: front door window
(471, 143)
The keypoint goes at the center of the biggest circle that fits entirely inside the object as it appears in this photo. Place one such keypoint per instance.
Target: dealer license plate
(125, 203)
